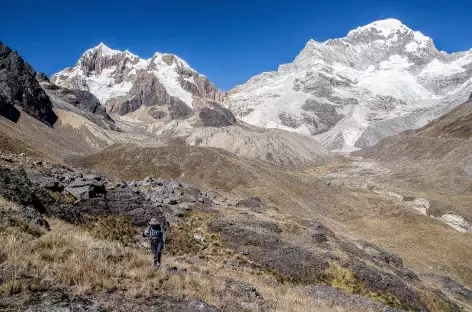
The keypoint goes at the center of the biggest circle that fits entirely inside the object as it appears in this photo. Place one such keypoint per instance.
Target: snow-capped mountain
(163, 87)
(380, 79)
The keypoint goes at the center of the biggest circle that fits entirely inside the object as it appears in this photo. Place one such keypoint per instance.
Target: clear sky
(229, 41)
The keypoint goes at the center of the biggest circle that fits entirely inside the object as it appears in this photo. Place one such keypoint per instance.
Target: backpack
(155, 235)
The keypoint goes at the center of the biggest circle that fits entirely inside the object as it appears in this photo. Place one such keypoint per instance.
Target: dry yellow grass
(7, 206)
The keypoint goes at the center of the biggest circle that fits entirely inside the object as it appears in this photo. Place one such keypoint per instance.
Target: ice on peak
(101, 45)
(384, 27)
(130, 54)
(103, 49)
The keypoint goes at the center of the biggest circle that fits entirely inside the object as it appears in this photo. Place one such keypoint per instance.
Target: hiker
(156, 234)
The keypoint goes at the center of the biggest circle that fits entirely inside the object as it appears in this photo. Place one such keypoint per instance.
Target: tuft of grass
(62, 197)
(190, 236)
(12, 287)
(114, 228)
(8, 206)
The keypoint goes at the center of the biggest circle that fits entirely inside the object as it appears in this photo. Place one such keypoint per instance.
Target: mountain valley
(261, 211)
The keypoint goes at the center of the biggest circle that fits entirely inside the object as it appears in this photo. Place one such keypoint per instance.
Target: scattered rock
(170, 201)
(319, 237)
(93, 177)
(250, 202)
(454, 287)
(58, 301)
(176, 270)
(232, 263)
(381, 255)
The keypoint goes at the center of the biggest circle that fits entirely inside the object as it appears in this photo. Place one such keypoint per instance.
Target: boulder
(319, 237)
(85, 189)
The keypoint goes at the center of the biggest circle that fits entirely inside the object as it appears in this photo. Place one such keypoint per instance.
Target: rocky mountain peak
(392, 35)
(96, 59)
(101, 50)
(159, 88)
(382, 78)
(19, 88)
(383, 28)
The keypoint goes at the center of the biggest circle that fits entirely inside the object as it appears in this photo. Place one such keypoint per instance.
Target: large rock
(250, 202)
(18, 86)
(216, 116)
(86, 189)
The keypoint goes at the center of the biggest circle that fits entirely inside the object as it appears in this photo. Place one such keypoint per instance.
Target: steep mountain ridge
(379, 80)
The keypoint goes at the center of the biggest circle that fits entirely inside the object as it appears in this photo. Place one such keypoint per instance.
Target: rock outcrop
(70, 195)
(19, 87)
(81, 102)
(216, 115)
(148, 92)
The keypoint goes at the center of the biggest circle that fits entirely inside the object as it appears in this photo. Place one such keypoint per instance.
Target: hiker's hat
(153, 221)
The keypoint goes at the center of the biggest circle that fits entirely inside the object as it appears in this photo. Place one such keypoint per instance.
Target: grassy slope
(69, 255)
(425, 245)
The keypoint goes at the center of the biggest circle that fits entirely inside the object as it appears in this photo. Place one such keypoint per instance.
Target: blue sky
(228, 41)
